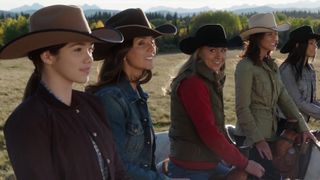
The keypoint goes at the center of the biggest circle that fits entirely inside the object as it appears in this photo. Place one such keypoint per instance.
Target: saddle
(291, 156)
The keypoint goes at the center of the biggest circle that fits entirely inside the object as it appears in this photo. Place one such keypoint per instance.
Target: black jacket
(47, 139)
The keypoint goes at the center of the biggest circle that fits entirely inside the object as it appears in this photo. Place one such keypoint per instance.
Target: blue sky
(145, 4)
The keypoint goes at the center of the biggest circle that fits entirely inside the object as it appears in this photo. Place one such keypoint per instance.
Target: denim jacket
(128, 115)
(302, 91)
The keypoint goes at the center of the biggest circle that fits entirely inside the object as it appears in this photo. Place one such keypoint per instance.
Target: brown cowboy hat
(262, 23)
(54, 25)
(131, 23)
(301, 34)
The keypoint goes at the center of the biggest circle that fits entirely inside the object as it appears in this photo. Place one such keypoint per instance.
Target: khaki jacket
(259, 90)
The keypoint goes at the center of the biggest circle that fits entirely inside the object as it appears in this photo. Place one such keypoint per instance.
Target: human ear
(47, 57)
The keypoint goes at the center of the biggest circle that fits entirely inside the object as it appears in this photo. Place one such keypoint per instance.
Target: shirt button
(94, 134)
(141, 102)
(108, 161)
(145, 119)
(77, 111)
(148, 142)
(146, 165)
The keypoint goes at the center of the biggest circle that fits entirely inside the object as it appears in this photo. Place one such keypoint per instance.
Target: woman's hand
(264, 149)
(255, 169)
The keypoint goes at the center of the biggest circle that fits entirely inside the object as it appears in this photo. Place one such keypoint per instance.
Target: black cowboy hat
(301, 34)
(131, 23)
(54, 25)
(212, 35)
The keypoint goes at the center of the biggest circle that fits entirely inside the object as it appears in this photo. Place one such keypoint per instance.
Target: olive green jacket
(259, 90)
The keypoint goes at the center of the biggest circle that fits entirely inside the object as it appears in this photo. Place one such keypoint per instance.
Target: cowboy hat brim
(129, 32)
(132, 31)
(21, 46)
(189, 45)
(245, 35)
(291, 43)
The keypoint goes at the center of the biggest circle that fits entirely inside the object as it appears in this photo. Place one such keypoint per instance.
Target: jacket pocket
(262, 86)
(264, 121)
(303, 89)
(258, 87)
(134, 140)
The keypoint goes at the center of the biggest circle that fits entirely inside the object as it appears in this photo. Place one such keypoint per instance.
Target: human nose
(275, 37)
(220, 54)
(89, 56)
(152, 48)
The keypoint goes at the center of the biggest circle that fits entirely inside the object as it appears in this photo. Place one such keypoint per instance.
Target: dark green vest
(185, 141)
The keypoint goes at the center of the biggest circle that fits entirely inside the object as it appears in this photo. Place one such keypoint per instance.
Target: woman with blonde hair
(199, 142)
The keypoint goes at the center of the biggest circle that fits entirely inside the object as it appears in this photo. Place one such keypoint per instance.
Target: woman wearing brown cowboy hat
(57, 132)
(199, 141)
(125, 68)
(259, 90)
(297, 72)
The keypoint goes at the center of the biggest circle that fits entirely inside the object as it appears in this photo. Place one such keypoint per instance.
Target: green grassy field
(15, 73)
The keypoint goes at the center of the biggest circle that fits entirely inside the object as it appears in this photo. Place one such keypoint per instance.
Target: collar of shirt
(51, 98)
(132, 94)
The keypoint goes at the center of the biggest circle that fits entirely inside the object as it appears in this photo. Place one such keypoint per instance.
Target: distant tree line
(14, 26)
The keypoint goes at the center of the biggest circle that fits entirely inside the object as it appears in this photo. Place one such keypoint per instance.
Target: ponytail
(35, 78)
(32, 85)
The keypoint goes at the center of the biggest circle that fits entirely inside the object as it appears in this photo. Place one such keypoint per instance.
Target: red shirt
(194, 95)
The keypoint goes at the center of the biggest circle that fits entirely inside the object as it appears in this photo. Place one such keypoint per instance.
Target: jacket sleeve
(244, 85)
(289, 108)
(116, 115)
(195, 98)
(288, 78)
(120, 172)
(28, 143)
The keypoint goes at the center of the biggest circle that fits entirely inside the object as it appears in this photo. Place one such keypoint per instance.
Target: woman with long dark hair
(57, 132)
(125, 68)
(259, 90)
(298, 73)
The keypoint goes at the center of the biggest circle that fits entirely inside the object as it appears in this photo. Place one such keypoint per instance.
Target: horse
(288, 150)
